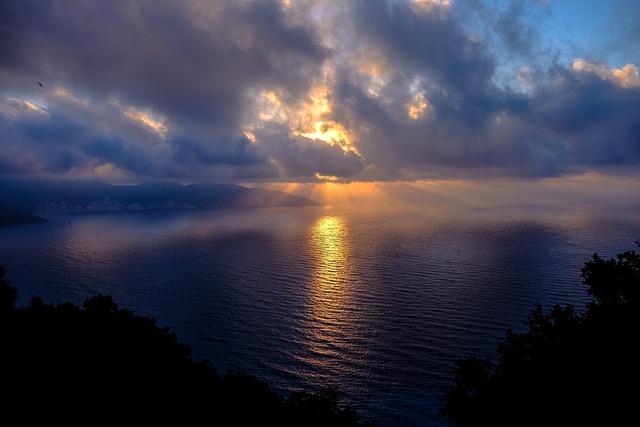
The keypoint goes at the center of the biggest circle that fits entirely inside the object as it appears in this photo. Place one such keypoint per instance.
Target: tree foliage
(8, 294)
(567, 368)
(101, 364)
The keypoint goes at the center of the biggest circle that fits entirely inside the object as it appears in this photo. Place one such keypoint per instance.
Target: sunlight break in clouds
(312, 91)
(146, 119)
(417, 108)
(310, 120)
(13, 107)
(425, 6)
(331, 133)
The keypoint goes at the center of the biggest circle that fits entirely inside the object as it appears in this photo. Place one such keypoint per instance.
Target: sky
(320, 91)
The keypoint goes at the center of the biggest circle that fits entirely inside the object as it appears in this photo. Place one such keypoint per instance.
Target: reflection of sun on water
(329, 332)
(328, 241)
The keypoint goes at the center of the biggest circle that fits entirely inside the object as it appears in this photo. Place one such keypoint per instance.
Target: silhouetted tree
(320, 408)
(8, 294)
(567, 367)
(100, 364)
(614, 283)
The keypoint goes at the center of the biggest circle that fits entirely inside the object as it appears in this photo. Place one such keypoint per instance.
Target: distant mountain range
(21, 199)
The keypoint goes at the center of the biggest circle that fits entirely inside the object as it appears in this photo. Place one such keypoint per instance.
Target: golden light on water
(328, 238)
(329, 328)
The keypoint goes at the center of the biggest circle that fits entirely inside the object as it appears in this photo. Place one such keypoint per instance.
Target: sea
(378, 302)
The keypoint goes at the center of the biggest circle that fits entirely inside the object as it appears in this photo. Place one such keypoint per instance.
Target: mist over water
(379, 301)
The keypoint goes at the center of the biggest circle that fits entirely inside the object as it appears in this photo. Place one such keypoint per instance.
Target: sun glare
(328, 237)
(326, 178)
(331, 133)
(312, 122)
(330, 193)
(329, 292)
(309, 118)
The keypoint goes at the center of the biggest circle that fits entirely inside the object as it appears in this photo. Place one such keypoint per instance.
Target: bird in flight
(40, 84)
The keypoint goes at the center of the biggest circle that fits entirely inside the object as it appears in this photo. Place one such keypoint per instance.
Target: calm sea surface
(379, 302)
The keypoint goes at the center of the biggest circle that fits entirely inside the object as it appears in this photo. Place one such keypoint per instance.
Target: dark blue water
(379, 302)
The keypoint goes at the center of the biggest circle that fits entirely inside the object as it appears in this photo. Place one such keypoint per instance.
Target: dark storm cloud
(303, 159)
(152, 52)
(239, 153)
(115, 150)
(432, 48)
(455, 71)
(598, 120)
(238, 89)
(564, 122)
(187, 61)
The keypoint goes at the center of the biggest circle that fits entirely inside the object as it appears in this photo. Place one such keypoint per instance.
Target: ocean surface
(379, 302)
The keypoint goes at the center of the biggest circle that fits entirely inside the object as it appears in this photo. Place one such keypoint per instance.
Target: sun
(331, 194)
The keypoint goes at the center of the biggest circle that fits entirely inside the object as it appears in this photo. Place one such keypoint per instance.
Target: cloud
(266, 90)
(626, 77)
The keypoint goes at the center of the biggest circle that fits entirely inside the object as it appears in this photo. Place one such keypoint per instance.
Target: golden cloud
(627, 76)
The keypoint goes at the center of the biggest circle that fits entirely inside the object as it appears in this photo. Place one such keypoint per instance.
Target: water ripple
(379, 303)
